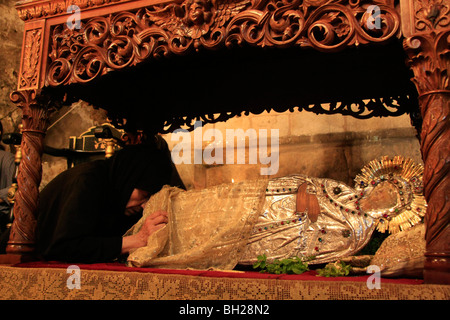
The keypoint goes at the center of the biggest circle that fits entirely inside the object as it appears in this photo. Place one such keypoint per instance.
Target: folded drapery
(207, 228)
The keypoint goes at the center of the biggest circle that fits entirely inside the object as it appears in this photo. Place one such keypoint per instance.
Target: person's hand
(152, 223)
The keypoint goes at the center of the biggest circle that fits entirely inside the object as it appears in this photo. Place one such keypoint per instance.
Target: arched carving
(118, 39)
(127, 38)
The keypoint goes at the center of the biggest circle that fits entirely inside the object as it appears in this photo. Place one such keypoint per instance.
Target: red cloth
(309, 275)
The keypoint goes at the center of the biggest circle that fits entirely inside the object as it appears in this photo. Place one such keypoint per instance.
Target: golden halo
(403, 177)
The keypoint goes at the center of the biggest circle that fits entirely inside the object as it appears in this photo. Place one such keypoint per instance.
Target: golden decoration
(396, 186)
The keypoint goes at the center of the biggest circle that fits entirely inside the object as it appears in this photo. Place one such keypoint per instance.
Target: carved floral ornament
(31, 10)
(130, 37)
(362, 109)
(431, 14)
(32, 45)
(428, 50)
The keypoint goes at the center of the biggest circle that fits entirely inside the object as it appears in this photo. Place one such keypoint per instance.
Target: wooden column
(34, 121)
(429, 58)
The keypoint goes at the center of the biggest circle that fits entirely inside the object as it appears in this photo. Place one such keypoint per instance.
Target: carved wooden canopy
(162, 64)
(213, 60)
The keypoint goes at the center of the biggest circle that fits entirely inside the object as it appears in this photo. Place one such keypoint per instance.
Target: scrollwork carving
(361, 109)
(431, 14)
(29, 10)
(367, 108)
(428, 57)
(130, 37)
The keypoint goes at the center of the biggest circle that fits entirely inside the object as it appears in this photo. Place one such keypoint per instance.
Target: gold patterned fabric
(402, 254)
(207, 228)
(232, 224)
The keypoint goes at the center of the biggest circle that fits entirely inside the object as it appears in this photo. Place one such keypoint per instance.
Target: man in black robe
(84, 211)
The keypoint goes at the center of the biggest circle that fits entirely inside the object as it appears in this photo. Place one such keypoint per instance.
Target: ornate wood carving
(429, 58)
(123, 39)
(431, 15)
(30, 11)
(361, 109)
(30, 62)
(34, 121)
(117, 39)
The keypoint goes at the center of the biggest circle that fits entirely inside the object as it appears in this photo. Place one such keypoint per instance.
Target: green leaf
(294, 265)
(297, 270)
(336, 269)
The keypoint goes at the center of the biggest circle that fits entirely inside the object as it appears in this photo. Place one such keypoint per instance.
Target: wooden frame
(118, 35)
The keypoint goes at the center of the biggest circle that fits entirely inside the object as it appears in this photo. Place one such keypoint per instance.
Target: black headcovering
(142, 167)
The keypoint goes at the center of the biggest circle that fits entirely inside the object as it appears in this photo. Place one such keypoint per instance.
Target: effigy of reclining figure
(319, 219)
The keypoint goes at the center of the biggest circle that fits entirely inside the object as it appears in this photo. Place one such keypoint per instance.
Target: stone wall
(324, 146)
(68, 122)
(332, 146)
(11, 33)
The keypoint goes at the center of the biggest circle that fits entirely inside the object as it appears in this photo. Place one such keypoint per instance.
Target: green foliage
(289, 266)
(336, 269)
